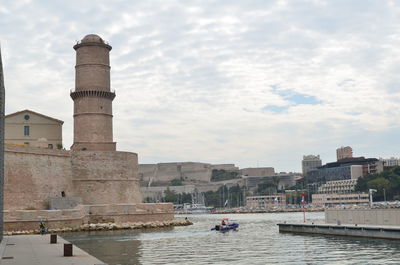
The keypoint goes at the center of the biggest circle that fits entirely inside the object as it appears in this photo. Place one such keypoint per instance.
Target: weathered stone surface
(34, 175)
(104, 177)
(59, 203)
(90, 216)
(93, 129)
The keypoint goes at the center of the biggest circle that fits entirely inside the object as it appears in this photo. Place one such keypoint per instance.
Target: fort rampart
(105, 181)
(17, 220)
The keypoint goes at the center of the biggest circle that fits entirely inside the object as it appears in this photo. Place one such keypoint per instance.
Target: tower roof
(92, 38)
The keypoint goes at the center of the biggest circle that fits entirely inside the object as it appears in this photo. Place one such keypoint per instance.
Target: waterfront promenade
(36, 249)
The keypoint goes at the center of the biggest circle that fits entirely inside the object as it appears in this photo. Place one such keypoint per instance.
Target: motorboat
(226, 225)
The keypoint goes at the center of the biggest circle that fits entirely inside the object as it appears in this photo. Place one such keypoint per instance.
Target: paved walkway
(36, 249)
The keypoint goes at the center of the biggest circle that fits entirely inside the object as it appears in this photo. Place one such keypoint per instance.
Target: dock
(351, 230)
(36, 249)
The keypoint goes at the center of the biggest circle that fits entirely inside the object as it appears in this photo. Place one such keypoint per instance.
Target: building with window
(266, 201)
(34, 129)
(344, 152)
(338, 186)
(310, 162)
(340, 199)
(390, 162)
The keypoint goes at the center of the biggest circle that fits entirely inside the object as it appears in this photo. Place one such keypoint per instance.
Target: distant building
(338, 186)
(266, 201)
(258, 171)
(284, 180)
(27, 127)
(310, 162)
(390, 162)
(339, 199)
(348, 168)
(344, 152)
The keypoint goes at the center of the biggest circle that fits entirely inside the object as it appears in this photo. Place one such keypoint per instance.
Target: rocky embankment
(108, 226)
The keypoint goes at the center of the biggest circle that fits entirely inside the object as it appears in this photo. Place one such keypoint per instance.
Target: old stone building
(34, 129)
(103, 182)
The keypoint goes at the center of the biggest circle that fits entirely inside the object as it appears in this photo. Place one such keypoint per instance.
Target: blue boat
(226, 225)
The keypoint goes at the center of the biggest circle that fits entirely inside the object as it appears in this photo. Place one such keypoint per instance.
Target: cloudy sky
(245, 82)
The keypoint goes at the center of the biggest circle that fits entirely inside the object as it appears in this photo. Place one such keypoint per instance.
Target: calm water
(257, 242)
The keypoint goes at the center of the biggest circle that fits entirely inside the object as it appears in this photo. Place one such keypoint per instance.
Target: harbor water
(256, 242)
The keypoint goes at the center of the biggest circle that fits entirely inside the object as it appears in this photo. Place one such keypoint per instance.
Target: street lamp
(370, 196)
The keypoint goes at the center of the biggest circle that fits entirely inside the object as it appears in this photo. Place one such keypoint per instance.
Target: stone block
(60, 203)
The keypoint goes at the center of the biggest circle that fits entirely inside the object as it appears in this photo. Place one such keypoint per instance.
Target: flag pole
(304, 209)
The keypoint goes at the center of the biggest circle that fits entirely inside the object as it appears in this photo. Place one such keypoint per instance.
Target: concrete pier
(369, 231)
(36, 249)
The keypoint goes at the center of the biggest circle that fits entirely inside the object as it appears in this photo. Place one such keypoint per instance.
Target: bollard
(67, 250)
(53, 239)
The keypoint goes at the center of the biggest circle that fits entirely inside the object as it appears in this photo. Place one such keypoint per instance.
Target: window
(26, 117)
(26, 130)
(50, 146)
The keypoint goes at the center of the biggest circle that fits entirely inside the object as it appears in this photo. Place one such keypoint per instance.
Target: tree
(176, 182)
(170, 196)
(221, 174)
(387, 182)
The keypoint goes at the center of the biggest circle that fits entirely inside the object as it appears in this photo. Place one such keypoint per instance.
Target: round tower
(92, 97)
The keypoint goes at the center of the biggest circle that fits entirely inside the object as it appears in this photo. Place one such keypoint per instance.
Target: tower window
(26, 130)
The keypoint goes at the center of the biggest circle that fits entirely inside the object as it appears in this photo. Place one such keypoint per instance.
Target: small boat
(226, 225)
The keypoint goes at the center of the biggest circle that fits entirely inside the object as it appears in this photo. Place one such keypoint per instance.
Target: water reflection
(257, 242)
(111, 247)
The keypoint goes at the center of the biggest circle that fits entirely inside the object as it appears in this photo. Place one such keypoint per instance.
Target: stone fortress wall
(100, 177)
(187, 171)
(258, 171)
(33, 175)
(97, 177)
(106, 182)
(18, 220)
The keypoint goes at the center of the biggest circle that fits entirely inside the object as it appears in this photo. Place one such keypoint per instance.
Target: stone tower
(92, 97)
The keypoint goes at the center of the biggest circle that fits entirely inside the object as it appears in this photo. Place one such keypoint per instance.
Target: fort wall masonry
(187, 171)
(18, 220)
(106, 182)
(101, 177)
(34, 175)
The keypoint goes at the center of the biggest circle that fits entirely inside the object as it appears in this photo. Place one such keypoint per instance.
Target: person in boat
(223, 222)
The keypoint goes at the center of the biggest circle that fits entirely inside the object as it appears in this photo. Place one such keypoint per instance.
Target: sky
(254, 83)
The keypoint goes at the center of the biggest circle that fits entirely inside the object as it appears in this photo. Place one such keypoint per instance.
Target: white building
(390, 162)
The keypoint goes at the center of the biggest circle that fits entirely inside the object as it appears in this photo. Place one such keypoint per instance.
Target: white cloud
(193, 78)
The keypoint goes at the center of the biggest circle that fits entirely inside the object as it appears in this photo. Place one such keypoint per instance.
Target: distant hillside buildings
(334, 183)
(390, 162)
(310, 162)
(155, 179)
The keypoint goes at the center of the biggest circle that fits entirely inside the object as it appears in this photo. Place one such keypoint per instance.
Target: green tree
(221, 174)
(170, 196)
(176, 182)
(387, 182)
